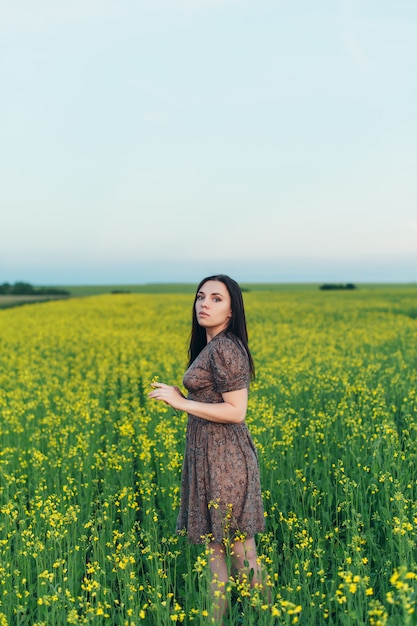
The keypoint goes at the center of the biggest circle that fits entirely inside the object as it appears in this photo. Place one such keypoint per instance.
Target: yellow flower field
(90, 467)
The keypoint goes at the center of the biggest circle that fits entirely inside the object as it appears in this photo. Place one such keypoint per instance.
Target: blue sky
(151, 140)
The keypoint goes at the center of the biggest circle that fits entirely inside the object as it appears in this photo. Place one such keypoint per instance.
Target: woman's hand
(168, 394)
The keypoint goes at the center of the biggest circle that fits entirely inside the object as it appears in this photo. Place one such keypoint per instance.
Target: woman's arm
(232, 410)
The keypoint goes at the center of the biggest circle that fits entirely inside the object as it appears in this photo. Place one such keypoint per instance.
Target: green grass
(157, 288)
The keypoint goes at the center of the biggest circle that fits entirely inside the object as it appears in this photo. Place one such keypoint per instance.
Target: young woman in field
(221, 498)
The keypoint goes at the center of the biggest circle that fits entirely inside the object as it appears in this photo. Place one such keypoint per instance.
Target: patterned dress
(220, 486)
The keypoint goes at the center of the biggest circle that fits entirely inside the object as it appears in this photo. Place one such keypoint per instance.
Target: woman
(221, 498)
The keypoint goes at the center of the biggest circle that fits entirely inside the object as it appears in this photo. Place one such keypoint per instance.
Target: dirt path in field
(7, 302)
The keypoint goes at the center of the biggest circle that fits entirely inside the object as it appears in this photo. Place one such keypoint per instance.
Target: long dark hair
(237, 323)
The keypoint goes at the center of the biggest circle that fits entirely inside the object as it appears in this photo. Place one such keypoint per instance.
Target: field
(90, 467)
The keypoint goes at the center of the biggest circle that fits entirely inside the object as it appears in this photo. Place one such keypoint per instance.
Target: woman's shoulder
(227, 342)
(224, 338)
(229, 362)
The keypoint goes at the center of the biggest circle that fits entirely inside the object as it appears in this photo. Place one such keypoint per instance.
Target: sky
(166, 140)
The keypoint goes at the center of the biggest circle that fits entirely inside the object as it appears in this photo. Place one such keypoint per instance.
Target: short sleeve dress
(220, 485)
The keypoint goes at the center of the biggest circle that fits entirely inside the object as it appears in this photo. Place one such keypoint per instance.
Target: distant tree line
(334, 286)
(26, 289)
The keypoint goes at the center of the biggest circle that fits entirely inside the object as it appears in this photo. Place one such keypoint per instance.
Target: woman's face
(213, 307)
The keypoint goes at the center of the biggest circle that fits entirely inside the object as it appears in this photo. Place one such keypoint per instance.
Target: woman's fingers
(161, 391)
(167, 393)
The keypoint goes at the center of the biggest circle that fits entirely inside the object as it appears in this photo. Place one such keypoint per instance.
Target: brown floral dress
(220, 486)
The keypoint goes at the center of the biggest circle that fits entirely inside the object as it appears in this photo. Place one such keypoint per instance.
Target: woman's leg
(220, 577)
(245, 560)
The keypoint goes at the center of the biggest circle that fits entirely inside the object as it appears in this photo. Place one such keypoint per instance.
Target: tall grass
(90, 467)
